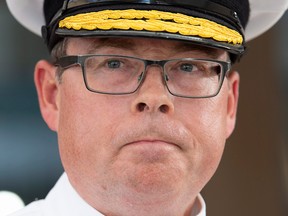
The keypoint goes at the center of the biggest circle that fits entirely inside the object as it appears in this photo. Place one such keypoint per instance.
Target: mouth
(150, 151)
(152, 144)
(149, 135)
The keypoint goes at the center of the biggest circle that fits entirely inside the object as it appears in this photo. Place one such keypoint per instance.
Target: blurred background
(253, 176)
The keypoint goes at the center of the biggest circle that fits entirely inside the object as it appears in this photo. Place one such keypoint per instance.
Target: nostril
(164, 108)
(141, 106)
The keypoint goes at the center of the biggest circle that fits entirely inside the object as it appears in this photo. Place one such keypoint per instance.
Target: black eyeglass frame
(66, 62)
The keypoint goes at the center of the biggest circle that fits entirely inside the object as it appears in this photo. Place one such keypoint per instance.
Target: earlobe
(47, 90)
(233, 95)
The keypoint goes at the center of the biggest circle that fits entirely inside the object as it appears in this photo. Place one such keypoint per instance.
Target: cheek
(206, 120)
(86, 122)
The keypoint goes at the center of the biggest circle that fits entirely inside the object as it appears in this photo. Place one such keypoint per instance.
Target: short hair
(58, 51)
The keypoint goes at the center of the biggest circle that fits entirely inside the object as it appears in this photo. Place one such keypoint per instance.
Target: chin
(153, 188)
(152, 180)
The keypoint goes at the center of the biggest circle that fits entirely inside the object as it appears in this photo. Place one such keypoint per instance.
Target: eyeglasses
(119, 75)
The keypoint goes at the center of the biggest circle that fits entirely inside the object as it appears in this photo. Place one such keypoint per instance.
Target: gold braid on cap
(153, 21)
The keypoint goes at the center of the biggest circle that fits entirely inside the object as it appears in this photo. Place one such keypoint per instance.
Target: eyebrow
(122, 43)
(208, 51)
(130, 45)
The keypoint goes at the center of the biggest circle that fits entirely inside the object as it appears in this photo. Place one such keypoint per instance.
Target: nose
(153, 96)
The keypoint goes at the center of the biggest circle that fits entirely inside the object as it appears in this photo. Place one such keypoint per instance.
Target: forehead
(96, 45)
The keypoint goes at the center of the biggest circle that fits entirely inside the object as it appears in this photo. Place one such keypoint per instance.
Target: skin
(147, 153)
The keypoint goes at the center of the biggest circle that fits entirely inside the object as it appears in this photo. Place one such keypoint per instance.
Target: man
(141, 96)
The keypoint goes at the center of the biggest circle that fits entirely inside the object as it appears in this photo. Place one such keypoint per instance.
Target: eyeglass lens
(184, 77)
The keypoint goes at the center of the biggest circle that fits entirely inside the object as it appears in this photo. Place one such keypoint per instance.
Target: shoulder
(33, 209)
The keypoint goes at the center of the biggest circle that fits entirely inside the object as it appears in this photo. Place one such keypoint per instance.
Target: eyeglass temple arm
(67, 61)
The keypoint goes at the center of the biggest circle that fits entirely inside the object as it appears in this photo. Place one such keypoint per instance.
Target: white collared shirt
(63, 200)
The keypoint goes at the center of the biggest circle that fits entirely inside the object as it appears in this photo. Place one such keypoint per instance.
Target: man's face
(144, 149)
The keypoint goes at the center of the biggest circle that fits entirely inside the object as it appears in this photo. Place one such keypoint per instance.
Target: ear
(233, 96)
(47, 89)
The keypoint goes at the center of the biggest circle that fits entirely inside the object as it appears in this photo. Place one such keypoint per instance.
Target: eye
(114, 64)
(187, 67)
